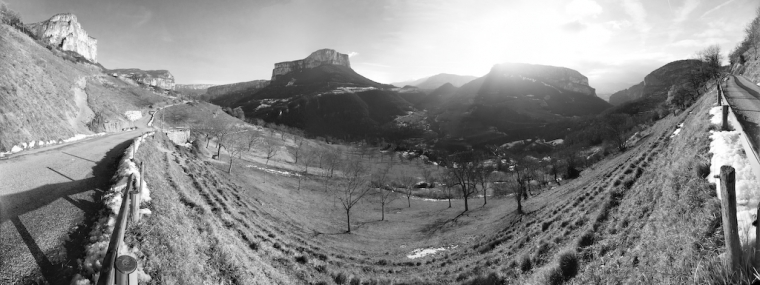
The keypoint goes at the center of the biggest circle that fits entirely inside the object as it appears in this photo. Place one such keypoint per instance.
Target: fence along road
(44, 194)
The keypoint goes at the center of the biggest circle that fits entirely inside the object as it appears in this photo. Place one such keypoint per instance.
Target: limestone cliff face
(193, 86)
(235, 87)
(156, 78)
(560, 77)
(65, 32)
(317, 58)
(750, 68)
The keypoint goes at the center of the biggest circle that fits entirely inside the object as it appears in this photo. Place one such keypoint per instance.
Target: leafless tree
(616, 127)
(219, 129)
(462, 171)
(481, 177)
(333, 160)
(308, 155)
(235, 143)
(380, 183)
(408, 182)
(352, 186)
(447, 186)
(271, 148)
(252, 137)
(296, 149)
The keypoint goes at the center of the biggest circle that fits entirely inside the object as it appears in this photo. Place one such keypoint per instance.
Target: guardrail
(734, 254)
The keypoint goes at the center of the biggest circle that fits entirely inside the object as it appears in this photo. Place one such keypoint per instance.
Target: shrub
(586, 239)
(302, 259)
(551, 275)
(355, 281)
(340, 278)
(490, 279)
(525, 264)
(701, 169)
(568, 264)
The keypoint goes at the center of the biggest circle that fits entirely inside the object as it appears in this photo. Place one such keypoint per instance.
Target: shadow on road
(13, 206)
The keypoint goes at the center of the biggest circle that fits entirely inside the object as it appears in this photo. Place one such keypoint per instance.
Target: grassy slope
(647, 216)
(37, 97)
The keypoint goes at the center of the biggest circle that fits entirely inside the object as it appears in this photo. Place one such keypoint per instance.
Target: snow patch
(727, 149)
(274, 171)
(677, 131)
(422, 252)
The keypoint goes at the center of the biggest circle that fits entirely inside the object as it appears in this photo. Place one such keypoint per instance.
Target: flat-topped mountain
(156, 78)
(65, 32)
(560, 77)
(317, 58)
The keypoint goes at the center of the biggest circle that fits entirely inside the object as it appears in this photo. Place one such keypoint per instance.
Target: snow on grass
(422, 252)
(677, 131)
(274, 171)
(727, 149)
(100, 236)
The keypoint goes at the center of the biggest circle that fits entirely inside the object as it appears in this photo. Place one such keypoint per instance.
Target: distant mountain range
(657, 83)
(324, 96)
(435, 81)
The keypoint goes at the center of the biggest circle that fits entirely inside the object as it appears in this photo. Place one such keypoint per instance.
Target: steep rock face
(657, 83)
(317, 58)
(157, 78)
(193, 86)
(560, 77)
(235, 87)
(65, 32)
(750, 68)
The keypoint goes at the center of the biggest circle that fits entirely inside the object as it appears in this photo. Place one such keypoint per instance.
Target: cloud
(638, 14)
(717, 7)
(574, 26)
(353, 54)
(583, 8)
(143, 16)
(682, 13)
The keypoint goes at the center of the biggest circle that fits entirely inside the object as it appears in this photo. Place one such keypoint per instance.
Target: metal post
(125, 265)
(724, 126)
(720, 92)
(107, 274)
(136, 194)
(728, 210)
(757, 240)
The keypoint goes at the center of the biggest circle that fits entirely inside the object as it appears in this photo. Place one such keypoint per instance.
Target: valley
(277, 153)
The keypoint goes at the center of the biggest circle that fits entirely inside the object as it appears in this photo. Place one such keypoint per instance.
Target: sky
(615, 43)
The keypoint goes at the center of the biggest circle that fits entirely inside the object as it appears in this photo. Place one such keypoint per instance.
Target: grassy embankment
(645, 215)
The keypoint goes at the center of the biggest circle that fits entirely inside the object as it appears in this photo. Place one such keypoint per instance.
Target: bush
(355, 281)
(525, 264)
(701, 169)
(490, 279)
(586, 239)
(551, 275)
(302, 259)
(568, 264)
(340, 278)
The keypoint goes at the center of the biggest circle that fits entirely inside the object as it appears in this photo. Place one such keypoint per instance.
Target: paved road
(744, 98)
(47, 197)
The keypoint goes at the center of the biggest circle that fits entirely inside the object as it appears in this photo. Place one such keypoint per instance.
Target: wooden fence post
(757, 240)
(724, 126)
(720, 92)
(728, 210)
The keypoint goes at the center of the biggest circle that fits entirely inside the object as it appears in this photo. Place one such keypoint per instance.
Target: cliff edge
(65, 32)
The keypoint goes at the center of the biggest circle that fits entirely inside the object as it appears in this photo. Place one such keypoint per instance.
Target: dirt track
(46, 197)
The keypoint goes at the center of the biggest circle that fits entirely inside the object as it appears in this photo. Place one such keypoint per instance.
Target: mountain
(233, 92)
(512, 102)
(48, 96)
(192, 90)
(657, 83)
(322, 95)
(435, 81)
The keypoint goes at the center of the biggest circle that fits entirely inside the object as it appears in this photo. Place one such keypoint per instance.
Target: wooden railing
(120, 269)
(727, 188)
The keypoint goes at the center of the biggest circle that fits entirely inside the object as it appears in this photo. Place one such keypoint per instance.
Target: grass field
(643, 216)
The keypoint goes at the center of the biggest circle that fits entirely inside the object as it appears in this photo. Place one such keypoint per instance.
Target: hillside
(49, 95)
(657, 83)
(616, 223)
(227, 94)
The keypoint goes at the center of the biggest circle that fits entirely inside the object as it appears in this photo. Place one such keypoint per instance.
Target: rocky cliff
(657, 83)
(64, 32)
(560, 77)
(749, 66)
(156, 78)
(317, 58)
(193, 86)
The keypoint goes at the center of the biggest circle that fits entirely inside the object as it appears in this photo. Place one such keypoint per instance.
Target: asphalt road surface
(744, 98)
(48, 198)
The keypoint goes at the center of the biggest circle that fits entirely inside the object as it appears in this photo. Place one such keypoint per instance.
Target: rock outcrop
(317, 58)
(219, 90)
(560, 77)
(658, 82)
(64, 32)
(156, 78)
(193, 86)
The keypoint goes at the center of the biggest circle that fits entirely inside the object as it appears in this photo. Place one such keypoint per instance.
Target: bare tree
(447, 186)
(252, 137)
(352, 187)
(235, 143)
(271, 148)
(481, 177)
(296, 149)
(462, 171)
(380, 182)
(219, 129)
(408, 182)
(308, 155)
(616, 127)
(333, 159)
